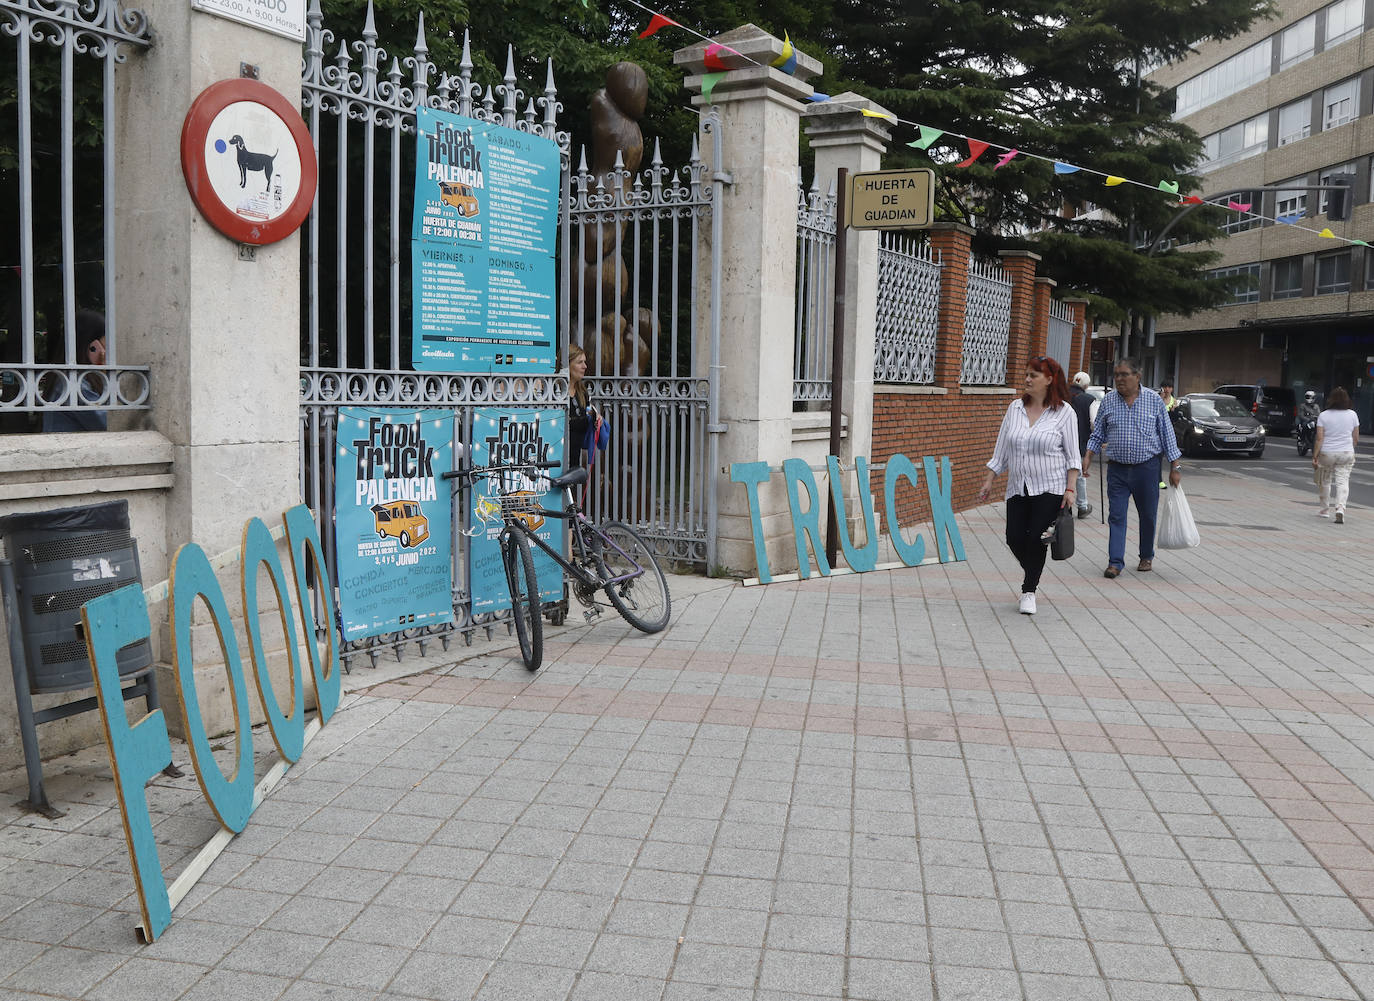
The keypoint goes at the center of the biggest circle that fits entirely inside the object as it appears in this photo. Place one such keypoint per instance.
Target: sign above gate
(891, 199)
(281, 17)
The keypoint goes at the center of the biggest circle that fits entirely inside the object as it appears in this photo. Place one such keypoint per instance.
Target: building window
(1239, 222)
(1225, 78)
(1237, 142)
(1292, 203)
(1287, 275)
(1333, 273)
(1340, 103)
(1243, 281)
(1297, 41)
(1345, 169)
(1295, 121)
(1344, 19)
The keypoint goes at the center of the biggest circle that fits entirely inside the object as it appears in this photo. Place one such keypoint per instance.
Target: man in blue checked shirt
(1133, 430)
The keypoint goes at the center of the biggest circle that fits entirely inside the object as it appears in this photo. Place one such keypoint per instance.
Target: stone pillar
(954, 243)
(1040, 326)
(219, 329)
(842, 136)
(1081, 356)
(1020, 267)
(760, 109)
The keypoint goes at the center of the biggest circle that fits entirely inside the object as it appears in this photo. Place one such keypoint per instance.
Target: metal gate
(1059, 339)
(356, 308)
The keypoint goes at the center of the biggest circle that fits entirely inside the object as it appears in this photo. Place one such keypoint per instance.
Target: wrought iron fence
(908, 314)
(57, 250)
(1059, 339)
(811, 352)
(644, 230)
(987, 323)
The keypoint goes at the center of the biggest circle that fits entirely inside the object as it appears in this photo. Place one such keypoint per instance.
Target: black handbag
(1061, 543)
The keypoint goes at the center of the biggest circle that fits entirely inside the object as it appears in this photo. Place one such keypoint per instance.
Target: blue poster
(393, 518)
(482, 262)
(502, 437)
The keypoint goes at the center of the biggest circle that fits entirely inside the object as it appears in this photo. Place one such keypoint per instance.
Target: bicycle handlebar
(478, 470)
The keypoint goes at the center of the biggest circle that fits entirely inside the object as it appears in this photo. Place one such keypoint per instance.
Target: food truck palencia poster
(504, 437)
(393, 521)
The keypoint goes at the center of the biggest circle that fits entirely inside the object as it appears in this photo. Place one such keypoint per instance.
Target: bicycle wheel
(642, 600)
(524, 598)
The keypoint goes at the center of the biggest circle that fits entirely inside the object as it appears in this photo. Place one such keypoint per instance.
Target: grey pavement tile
(276, 952)
(963, 983)
(633, 955)
(807, 933)
(1239, 905)
(516, 870)
(596, 986)
(1264, 940)
(380, 924)
(831, 899)
(445, 860)
(966, 947)
(566, 909)
(634, 917)
(305, 846)
(1134, 961)
(461, 935)
(1327, 912)
(1185, 932)
(520, 982)
(346, 883)
(716, 965)
(542, 945)
(959, 879)
(17, 954)
(1316, 977)
(588, 877)
(376, 853)
(1043, 954)
(801, 973)
(1057, 987)
(1139, 990)
(670, 856)
(305, 990)
(230, 905)
(357, 964)
(488, 900)
(64, 971)
(886, 980)
(727, 926)
(47, 921)
(1232, 970)
(236, 985)
(1041, 919)
(311, 916)
(411, 890)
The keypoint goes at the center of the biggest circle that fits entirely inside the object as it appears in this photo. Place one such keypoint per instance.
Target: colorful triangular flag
(656, 22)
(817, 96)
(712, 59)
(1006, 158)
(1359, 243)
(1113, 180)
(1239, 206)
(928, 136)
(1065, 168)
(1169, 187)
(787, 62)
(885, 115)
(708, 84)
(1289, 219)
(1192, 200)
(976, 148)
(1328, 234)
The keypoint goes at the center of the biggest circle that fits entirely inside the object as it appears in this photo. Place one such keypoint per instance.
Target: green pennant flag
(708, 84)
(928, 136)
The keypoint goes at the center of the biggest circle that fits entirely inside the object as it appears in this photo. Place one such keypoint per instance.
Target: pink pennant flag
(1006, 158)
(712, 58)
(656, 22)
(976, 148)
(1239, 206)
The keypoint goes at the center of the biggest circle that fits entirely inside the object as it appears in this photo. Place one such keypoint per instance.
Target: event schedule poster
(504, 437)
(482, 262)
(393, 520)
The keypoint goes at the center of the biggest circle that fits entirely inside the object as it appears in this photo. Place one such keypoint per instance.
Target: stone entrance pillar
(760, 109)
(219, 327)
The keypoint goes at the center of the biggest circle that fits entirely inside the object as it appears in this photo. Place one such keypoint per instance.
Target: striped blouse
(1037, 457)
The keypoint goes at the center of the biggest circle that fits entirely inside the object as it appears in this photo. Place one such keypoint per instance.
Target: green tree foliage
(1060, 80)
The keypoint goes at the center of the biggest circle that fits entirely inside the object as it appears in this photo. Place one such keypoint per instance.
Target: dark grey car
(1216, 424)
(1276, 407)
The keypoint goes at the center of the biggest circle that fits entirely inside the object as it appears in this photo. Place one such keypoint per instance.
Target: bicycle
(612, 558)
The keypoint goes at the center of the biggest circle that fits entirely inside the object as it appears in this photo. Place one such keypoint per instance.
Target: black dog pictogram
(252, 161)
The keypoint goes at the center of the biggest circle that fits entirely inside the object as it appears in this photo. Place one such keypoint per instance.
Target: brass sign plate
(891, 199)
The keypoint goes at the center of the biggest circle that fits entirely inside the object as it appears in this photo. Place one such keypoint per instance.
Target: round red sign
(248, 161)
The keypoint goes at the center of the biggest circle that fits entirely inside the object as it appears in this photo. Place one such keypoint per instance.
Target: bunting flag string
(716, 69)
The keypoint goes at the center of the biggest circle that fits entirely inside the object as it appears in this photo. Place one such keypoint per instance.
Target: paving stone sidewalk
(871, 787)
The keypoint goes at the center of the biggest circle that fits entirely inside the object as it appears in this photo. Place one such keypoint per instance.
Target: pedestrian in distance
(1166, 393)
(1133, 431)
(1082, 402)
(1037, 446)
(1333, 456)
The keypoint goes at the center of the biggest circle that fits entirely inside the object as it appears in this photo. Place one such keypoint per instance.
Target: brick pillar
(954, 243)
(1040, 324)
(1081, 355)
(1020, 267)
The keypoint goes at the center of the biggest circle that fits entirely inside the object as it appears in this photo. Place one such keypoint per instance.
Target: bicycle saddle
(569, 479)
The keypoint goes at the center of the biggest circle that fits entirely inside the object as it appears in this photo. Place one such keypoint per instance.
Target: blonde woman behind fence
(1333, 455)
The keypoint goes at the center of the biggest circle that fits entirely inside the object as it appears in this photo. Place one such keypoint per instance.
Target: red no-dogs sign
(248, 160)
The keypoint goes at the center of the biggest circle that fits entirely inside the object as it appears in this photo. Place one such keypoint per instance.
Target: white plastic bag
(1176, 528)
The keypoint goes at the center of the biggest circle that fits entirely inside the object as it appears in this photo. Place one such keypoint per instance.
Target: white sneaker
(1027, 603)
(1323, 513)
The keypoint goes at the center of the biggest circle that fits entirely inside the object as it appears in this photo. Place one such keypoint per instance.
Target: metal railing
(59, 254)
(811, 350)
(987, 324)
(1059, 338)
(908, 312)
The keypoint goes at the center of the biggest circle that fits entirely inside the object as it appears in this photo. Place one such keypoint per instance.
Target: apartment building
(1283, 110)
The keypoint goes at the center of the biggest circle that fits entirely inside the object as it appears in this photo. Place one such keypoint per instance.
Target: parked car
(1216, 424)
(1276, 407)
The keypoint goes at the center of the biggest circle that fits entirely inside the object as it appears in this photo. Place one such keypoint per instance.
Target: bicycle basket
(523, 504)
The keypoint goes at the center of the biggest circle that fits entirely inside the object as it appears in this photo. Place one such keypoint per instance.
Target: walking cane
(1102, 490)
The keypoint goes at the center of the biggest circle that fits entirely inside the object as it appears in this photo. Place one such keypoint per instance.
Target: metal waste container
(62, 559)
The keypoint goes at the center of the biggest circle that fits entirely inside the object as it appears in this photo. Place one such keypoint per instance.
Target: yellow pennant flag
(1328, 234)
(1113, 181)
(878, 114)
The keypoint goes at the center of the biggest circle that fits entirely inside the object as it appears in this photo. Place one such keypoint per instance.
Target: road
(1280, 464)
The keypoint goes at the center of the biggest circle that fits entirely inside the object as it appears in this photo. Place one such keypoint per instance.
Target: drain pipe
(714, 427)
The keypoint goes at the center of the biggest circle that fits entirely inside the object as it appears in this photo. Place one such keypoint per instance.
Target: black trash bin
(53, 563)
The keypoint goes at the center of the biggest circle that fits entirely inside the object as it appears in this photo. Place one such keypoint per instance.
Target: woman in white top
(1038, 448)
(1333, 456)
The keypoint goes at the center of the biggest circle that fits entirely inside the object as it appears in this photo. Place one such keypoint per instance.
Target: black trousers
(1027, 519)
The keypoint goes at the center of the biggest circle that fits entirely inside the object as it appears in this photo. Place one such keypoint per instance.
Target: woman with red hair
(1038, 448)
